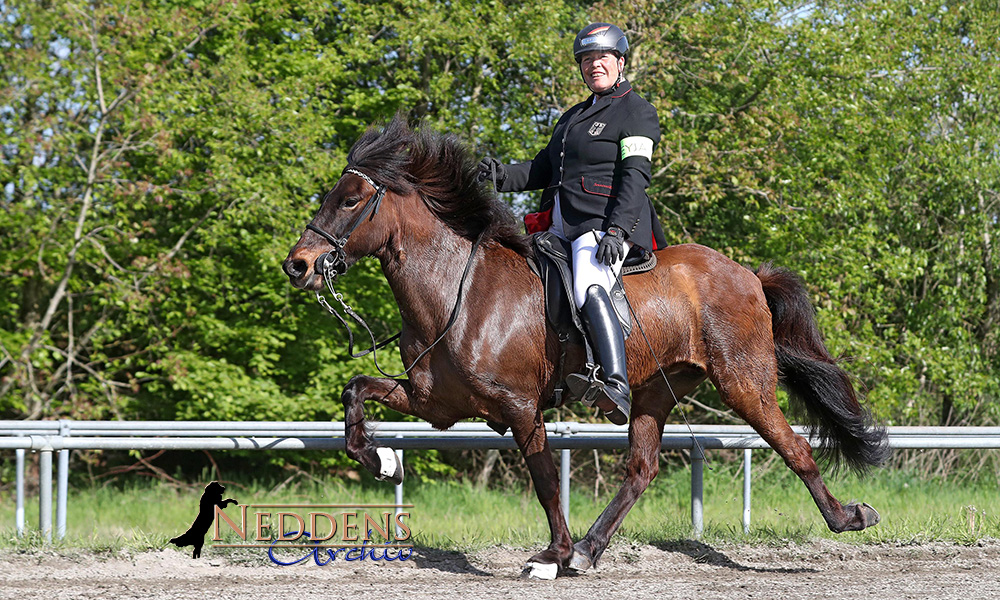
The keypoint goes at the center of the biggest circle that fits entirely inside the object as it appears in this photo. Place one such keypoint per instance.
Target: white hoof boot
(543, 571)
(389, 467)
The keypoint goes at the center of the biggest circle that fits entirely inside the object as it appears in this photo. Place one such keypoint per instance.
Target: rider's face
(601, 69)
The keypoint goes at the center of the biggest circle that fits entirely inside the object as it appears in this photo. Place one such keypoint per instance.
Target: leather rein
(334, 264)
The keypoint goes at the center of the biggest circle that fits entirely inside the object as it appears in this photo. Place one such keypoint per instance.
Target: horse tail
(811, 376)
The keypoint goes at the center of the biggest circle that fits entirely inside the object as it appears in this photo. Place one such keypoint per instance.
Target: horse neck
(423, 262)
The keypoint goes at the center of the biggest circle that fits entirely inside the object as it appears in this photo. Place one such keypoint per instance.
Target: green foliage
(856, 144)
(158, 163)
(158, 160)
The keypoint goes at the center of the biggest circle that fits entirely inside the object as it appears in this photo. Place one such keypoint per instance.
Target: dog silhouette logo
(195, 535)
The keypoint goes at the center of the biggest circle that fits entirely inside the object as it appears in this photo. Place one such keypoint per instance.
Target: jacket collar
(616, 92)
(591, 107)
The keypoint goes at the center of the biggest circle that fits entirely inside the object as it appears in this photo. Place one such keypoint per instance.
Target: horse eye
(351, 201)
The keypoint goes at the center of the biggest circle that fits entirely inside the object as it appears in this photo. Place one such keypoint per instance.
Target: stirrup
(586, 388)
(591, 391)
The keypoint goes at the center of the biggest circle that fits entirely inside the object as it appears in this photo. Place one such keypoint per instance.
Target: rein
(336, 265)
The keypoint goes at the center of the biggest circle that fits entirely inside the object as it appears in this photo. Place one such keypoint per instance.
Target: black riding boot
(610, 392)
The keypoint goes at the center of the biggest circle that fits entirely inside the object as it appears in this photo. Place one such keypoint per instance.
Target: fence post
(63, 483)
(564, 467)
(19, 510)
(45, 491)
(697, 490)
(399, 493)
(746, 490)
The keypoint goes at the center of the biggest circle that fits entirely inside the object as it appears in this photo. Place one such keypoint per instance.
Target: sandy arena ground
(688, 570)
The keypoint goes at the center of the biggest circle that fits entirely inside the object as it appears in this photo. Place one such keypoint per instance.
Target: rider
(594, 172)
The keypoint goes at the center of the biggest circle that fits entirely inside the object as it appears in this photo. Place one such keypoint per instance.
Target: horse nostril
(295, 268)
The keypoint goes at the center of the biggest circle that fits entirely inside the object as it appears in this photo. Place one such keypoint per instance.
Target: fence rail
(61, 437)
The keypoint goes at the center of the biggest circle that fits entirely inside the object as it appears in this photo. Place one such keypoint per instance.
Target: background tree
(158, 160)
(856, 144)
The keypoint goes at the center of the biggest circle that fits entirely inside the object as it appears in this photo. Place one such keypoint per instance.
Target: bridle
(334, 263)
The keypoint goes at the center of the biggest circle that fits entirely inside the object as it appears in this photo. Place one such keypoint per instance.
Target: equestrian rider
(594, 172)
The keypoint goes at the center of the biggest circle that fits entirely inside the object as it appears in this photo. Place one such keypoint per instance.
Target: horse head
(340, 233)
(429, 181)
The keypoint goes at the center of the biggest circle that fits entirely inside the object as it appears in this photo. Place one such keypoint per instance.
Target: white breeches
(587, 271)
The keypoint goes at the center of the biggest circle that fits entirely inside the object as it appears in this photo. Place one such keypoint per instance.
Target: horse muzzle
(302, 275)
(298, 272)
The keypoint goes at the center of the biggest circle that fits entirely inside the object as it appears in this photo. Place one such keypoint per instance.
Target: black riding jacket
(599, 160)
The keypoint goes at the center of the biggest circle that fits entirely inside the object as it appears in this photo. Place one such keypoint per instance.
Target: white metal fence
(61, 437)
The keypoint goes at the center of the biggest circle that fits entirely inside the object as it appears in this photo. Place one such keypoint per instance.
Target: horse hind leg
(757, 405)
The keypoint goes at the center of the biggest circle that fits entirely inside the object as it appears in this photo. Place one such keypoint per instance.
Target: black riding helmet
(600, 36)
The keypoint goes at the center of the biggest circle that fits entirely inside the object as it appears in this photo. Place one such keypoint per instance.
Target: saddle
(552, 263)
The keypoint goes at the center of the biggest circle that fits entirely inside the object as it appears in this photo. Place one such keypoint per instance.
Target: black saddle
(553, 264)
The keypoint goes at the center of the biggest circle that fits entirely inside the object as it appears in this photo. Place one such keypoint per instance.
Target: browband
(368, 179)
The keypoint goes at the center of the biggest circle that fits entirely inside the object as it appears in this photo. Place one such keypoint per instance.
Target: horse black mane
(444, 173)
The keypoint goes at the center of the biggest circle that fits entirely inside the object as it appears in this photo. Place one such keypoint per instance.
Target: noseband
(335, 261)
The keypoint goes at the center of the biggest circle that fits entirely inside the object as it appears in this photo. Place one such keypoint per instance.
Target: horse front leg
(396, 394)
(649, 413)
(534, 444)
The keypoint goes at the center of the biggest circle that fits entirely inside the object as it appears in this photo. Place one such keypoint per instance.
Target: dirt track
(677, 570)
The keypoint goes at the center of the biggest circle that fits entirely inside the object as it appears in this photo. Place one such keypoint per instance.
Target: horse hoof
(389, 466)
(869, 516)
(542, 571)
(579, 562)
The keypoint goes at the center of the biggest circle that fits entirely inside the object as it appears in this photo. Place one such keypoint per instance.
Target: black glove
(612, 246)
(491, 169)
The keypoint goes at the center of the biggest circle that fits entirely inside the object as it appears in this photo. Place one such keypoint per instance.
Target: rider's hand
(491, 169)
(612, 246)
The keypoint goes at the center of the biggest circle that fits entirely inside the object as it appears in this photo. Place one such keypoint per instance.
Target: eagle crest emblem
(596, 128)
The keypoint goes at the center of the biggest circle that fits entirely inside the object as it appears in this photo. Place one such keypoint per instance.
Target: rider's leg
(587, 271)
(592, 282)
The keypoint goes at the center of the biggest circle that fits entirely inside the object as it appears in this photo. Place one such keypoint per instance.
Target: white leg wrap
(387, 458)
(544, 571)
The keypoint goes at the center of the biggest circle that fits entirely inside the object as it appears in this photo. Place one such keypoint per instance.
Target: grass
(458, 516)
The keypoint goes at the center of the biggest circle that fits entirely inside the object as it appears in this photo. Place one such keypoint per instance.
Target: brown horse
(704, 315)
